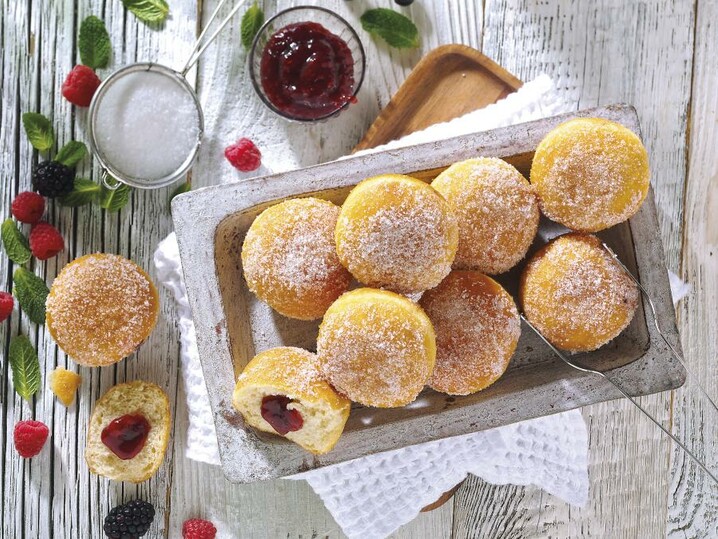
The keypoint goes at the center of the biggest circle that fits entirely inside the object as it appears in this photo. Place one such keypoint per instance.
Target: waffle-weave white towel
(373, 496)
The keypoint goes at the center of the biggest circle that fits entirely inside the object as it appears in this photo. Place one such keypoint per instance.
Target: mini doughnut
(376, 347)
(576, 294)
(281, 391)
(477, 329)
(290, 261)
(101, 307)
(497, 211)
(590, 174)
(396, 232)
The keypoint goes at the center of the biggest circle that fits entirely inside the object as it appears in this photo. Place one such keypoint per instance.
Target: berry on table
(45, 241)
(244, 155)
(197, 528)
(30, 437)
(80, 85)
(28, 207)
(404, 2)
(6, 305)
(53, 179)
(129, 520)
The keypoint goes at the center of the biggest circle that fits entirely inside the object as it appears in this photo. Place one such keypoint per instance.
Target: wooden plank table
(657, 54)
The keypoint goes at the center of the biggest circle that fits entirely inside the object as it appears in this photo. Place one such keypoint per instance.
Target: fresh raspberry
(80, 85)
(244, 155)
(28, 207)
(45, 241)
(196, 528)
(6, 304)
(30, 437)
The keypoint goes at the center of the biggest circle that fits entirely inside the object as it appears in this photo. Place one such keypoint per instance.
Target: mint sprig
(83, 192)
(25, 366)
(31, 293)
(252, 21)
(93, 43)
(39, 131)
(71, 153)
(15, 243)
(393, 27)
(150, 11)
(114, 200)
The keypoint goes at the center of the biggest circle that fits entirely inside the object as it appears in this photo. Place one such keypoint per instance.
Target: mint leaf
(252, 21)
(94, 43)
(25, 366)
(393, 27)
(183, 188)
(71, 153)
(83, 192)
(115, 200)
(15, 243)
(31, 293)
(151, 11)
(39, 130)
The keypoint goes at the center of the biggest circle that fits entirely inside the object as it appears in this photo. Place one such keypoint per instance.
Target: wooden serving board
(449, 82)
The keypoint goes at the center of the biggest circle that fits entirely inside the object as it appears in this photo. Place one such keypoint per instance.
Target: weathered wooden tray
(232, 326)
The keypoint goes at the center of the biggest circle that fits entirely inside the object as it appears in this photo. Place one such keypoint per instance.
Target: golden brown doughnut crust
(101, 307)
(290, 261)
(590, 174)
(576, 294)
(497, 211)
(397, 232)
(376, 347)
(477, 329)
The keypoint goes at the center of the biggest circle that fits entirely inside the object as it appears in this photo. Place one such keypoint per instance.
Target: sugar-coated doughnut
(290, 260)
(281, 391)
(396, 232)
(576, 294)
(496, 209)
(590, 174)
(477, 329)
(376, 347)
(101, 307)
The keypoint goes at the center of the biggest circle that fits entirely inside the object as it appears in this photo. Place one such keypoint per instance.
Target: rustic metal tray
(232, 325)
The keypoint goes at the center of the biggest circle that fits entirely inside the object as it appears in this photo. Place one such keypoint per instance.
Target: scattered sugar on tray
(147, 125)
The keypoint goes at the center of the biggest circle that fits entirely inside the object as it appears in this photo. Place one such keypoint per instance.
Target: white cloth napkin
(373, 496)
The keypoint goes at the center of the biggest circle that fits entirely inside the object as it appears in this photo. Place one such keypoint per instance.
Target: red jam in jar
(307, 72)
(275, 412)
(126, 435)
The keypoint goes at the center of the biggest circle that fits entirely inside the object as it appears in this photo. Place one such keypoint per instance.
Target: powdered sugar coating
(477, 329)
(576, 294)
(497, 211)
(101, 307)
(290, 261)
(376, 347)
(590, 174)
(398, 233)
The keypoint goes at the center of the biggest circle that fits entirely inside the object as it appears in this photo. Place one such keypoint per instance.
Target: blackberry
(130, 520)
(404, 2)
(53, 179)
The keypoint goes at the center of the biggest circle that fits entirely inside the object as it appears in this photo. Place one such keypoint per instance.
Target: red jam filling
(275, 412)
(307, 72)
(126, 435)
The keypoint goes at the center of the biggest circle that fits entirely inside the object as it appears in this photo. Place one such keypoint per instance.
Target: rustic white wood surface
(657, 54)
